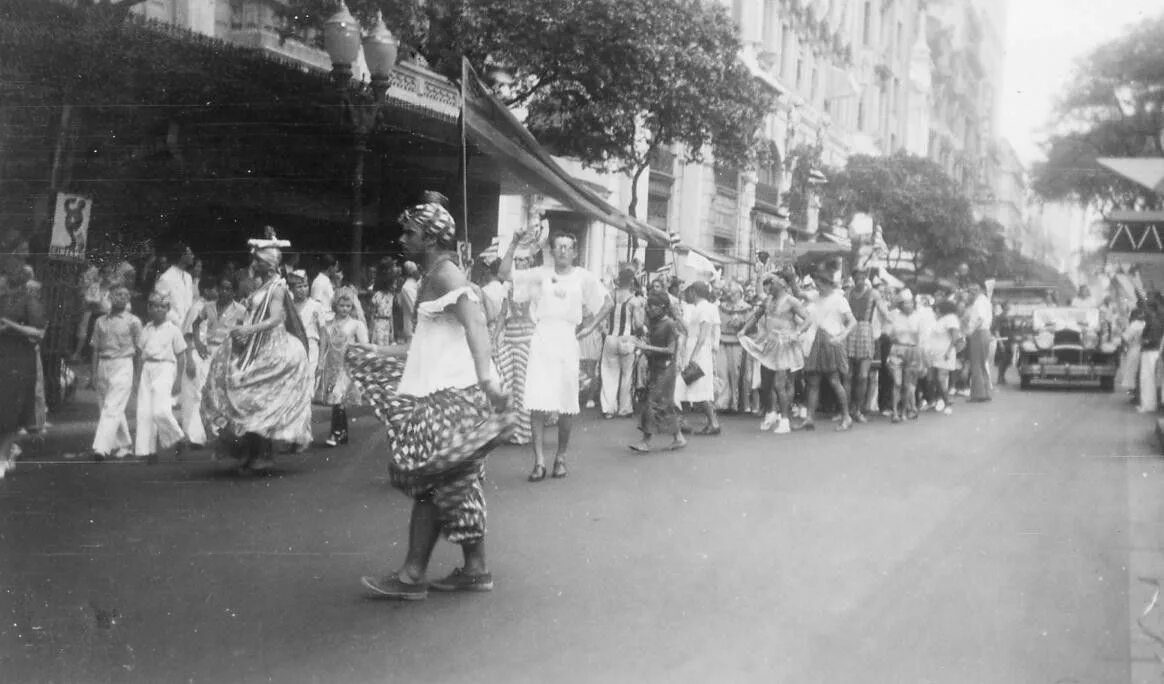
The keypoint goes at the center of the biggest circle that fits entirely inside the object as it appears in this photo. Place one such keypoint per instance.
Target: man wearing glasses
(568, 303)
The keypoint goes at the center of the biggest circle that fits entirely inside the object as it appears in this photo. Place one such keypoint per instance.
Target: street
(1015, 541)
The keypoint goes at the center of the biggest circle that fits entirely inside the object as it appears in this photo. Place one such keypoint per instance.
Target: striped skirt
(512, 357)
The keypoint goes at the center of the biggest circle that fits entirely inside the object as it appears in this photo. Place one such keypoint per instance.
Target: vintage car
(1068, 346)
(1022, 299)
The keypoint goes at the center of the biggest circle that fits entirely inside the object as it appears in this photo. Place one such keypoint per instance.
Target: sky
(1045, 38)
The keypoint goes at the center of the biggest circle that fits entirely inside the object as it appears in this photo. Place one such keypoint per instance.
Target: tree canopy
(920, 208)
(1114, 108)
(605, 81)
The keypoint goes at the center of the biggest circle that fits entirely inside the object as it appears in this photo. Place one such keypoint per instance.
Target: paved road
(1011, 542)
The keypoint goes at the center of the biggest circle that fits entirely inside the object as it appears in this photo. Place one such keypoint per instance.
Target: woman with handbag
(698, 357)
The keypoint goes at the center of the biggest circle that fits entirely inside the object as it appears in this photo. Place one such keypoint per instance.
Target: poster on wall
(71, 226)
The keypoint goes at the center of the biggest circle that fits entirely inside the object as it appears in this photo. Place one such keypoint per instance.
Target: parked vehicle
(1068, 346)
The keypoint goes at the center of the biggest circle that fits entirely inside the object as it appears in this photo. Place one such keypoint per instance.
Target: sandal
(639, 448)
(559, 470)
(709, 431)
(538, 474)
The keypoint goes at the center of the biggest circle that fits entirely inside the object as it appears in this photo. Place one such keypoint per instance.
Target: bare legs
(424, 530)
(814, 399)
(860, 384)
(565, 427)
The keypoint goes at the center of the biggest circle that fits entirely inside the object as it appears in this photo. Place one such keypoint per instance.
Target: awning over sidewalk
(526, 166)
(1147, 171)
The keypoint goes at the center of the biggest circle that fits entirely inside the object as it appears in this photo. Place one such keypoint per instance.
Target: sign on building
(71, 226)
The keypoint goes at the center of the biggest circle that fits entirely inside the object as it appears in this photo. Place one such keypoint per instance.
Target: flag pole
(466, 73)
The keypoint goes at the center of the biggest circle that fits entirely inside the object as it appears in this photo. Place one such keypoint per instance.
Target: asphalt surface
(1014, 541)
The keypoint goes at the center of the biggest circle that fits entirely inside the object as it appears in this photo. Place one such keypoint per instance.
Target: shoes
(860, 417)
(783, 427)
(391, 587)
(459, 580)
(896, 418)
(538, 474)
(806, 425)
(939, 405)
(608, 416)
(337, 438)
(709, 431)
(845, 425)
(559, 470)
(770, 420)
(948, 411)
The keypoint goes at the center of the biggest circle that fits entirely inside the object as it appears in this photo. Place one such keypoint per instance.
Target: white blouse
(439, 356)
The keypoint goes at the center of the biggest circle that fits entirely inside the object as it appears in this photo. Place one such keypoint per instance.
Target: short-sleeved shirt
(829, 313)
(323, 291)
(115, 336)
(557, 297)
(178, 285)
(311, 313)
(161, 343)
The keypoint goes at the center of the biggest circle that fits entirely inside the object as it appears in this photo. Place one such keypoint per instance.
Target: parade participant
(336, 388)
(659, 414)
(941, 350)
(311, 315)
(114, 342)
(906, 359)
(697, 356)
(775, 345)
(616, 368)
(732, 386)
(190, 391)
(444, 411)
(383, 300)
(1004, 333)
(827, 358)
(517, 327)
(22, 326)
(1129, 372)
(219, 315)
(257, 387)
(323, 287)
(177, 284)
(979, 317)
(162, 346)
(865, 303)
(568, 302)
(1150, 340)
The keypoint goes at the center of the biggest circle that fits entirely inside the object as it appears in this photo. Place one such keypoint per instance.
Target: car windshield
(1066, 318)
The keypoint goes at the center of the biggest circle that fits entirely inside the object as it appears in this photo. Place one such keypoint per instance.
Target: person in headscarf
(256, 389)
(444, 410)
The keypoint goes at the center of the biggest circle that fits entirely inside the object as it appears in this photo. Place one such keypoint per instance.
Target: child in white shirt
(162, 348)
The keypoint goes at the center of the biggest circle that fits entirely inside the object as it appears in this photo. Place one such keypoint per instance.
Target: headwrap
(297, 275)
(268, 249)
(432, 219)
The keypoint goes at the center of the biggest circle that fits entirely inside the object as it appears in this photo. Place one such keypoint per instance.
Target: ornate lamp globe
(341, 39)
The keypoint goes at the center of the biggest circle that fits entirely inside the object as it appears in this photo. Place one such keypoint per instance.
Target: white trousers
(1149, 392)
(190, 401)
(114, 383)
(156, 425)
(617, 372)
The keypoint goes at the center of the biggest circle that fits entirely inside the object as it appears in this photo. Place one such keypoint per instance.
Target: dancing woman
(517, 328)
(442, 406)
(778, 325)
(257, 386)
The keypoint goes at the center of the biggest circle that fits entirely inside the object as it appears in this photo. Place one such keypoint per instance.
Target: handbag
(691, 372)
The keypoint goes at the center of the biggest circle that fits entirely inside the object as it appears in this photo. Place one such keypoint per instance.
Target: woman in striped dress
(512, 356)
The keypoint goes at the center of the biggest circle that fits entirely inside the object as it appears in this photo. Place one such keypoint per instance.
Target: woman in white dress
(702, 340)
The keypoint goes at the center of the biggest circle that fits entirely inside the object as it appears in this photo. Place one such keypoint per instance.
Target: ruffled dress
(261, 385)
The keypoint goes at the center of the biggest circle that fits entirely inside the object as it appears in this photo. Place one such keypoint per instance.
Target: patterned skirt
(859, 343)
(431, 438)
(826, 356)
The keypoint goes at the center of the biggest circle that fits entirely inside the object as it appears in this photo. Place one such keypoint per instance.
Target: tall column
(745, 231)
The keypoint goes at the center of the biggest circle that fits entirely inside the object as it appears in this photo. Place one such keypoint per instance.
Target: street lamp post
(341, 38)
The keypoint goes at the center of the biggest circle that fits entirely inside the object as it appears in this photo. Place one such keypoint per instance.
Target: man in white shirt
(322, 288)
(981, 316)
(177, 285)
(408, 292)
(626, 320)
